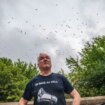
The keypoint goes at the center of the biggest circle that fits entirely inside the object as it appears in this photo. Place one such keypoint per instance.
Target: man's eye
(47, 57)
(41, 58)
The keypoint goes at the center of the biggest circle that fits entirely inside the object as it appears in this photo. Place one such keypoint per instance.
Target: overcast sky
(58, 27)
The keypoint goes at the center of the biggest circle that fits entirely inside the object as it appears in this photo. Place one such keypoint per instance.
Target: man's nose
(45, 59)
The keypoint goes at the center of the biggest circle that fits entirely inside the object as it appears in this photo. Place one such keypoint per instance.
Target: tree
(88, 73)
(13, 78)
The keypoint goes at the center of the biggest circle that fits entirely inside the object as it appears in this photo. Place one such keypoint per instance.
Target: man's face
(44, 62)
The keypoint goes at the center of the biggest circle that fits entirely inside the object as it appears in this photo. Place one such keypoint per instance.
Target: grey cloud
(84, 7)
(91, 12)
(16, 44)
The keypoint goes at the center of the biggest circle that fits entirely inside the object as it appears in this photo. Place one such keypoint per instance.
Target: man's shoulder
(58, 75)
(34, 79)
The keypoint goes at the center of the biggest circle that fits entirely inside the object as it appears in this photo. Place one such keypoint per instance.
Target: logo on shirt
(46, 82)
(43, 96)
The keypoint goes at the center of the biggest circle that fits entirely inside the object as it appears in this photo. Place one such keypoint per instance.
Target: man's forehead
(43, 55)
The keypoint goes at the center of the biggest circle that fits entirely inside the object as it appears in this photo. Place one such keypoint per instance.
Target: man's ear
(38, 64)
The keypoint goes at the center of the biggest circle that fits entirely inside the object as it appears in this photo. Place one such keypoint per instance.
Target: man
(48, 88)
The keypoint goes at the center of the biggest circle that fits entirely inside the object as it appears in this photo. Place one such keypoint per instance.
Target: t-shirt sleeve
(67, 85)
(27, 95)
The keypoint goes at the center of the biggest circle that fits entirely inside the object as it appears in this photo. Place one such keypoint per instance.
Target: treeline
(87, 72)
(14, 77)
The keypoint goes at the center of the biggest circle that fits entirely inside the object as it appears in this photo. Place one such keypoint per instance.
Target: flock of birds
(65, 27)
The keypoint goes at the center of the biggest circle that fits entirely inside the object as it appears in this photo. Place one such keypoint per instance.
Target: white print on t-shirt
(46, 82)
(43, 96)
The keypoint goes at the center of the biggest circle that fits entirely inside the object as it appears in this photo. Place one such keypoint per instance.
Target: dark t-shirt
(48, 90)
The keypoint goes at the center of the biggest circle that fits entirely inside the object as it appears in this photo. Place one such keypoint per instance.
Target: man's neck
(45, 73)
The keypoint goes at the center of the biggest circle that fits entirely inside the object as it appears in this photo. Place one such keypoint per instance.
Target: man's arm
(23, 101)
(76, 97)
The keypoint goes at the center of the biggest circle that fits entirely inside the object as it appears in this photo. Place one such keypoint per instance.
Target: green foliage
(88, 73)
(14, 77)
